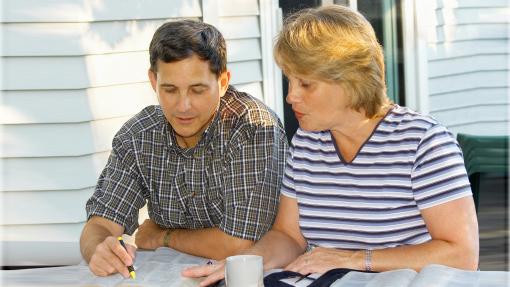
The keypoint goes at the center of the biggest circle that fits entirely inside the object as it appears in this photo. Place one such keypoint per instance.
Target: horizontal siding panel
(238, 7)
(83, 72)
(474, 97)
(239, 27)
(52, 173)
(471, 3)
(468, 81)
(243, 50)
(41, 244)
(41, 253)
(74, 72)
(46, 207)
(439, 51)
(472, 16)
(66, 139)
(76, 39)
(482, 128)
(254, 89)
(468, 64)
(245, 72)
(67, 106)
(87, 11)
(471, 115)
(471, 32)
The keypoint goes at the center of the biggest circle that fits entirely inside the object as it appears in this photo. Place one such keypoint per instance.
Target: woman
(373, 185)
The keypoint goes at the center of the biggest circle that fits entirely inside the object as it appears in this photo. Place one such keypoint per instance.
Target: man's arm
(208, 242)
(101, 249)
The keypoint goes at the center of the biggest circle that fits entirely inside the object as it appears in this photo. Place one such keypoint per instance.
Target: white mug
(244, 271)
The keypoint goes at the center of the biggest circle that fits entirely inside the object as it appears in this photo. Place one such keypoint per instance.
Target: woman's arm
(279, 246)
(453, 227)
(284, 242)
(454, 230)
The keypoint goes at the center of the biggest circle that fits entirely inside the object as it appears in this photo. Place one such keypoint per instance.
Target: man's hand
(214, 272)
(110, 257)
(149, 235)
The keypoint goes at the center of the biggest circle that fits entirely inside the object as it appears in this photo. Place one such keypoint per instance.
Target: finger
(119, 266)
(131, 251)
(213, 278)
(292, 265)
(101, 267)
(199, 271)
(299, 265)
(119, 251)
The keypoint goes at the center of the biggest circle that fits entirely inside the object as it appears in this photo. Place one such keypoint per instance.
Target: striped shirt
(231, 179)
(409, 163)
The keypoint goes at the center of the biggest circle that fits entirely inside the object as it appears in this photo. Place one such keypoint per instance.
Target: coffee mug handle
(226, 275)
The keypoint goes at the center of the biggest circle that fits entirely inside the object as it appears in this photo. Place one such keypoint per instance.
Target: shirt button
(193, 194)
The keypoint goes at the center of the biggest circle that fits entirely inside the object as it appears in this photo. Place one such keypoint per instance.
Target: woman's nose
(291, 95)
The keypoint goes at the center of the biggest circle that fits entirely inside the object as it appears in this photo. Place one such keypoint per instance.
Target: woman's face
(317, 105)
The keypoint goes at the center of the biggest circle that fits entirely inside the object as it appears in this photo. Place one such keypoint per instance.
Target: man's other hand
(110, 257)
(149, 235)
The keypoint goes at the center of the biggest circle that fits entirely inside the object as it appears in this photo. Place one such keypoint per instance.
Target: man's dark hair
(178, 40)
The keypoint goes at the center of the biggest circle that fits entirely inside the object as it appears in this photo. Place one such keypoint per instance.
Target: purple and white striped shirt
(409, 163)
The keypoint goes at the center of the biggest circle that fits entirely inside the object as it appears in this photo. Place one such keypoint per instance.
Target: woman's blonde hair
(335, 44)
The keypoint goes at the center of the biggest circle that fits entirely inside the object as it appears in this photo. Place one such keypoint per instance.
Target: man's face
(189, 95)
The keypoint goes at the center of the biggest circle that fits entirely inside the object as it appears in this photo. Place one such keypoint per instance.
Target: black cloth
(326, 279)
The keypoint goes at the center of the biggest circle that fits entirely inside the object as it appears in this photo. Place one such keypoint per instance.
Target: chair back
(482, 155)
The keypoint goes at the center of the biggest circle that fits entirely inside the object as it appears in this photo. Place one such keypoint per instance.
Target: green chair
(483, 155)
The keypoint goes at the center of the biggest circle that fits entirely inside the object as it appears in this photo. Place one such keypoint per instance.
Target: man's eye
(198, 91)
(170, 91)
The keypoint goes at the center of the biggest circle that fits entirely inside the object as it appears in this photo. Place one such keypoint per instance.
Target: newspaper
(431, 275)
(163, 268)
(159, 268)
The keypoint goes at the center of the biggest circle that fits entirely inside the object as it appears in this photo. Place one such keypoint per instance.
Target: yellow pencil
(130, 268)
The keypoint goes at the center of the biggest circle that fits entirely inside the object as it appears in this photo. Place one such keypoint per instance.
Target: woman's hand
(214, 272)
(149, 235)
(320, 260)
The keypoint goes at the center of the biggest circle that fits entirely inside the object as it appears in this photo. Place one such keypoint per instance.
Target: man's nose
(184, 103)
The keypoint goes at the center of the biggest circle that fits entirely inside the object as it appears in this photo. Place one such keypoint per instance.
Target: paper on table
(430, 275)
(439, 275)
(159, 268)
(395, 278)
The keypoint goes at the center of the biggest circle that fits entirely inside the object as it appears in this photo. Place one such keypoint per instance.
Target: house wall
(73, 71)
(468, 65)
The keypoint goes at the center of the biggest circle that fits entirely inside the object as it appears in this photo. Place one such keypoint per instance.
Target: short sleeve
(253, 181)
(438, 174)
(118, 194)
(288, 177)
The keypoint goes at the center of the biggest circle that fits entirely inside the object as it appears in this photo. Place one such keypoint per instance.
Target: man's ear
(153, 79)
(224, 81)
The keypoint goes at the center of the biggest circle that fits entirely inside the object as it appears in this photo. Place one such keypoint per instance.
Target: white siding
(66, 66)
(468, 66)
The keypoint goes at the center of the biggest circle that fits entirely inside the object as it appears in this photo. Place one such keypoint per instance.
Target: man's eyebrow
(199, 85)
(167, 85)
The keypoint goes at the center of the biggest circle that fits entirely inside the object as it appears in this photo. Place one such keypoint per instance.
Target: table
(163, 266)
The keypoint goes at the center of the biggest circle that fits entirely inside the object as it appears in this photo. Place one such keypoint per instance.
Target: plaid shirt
(231, 179)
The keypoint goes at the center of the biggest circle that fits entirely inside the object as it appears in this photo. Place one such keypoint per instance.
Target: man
(208, 160)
